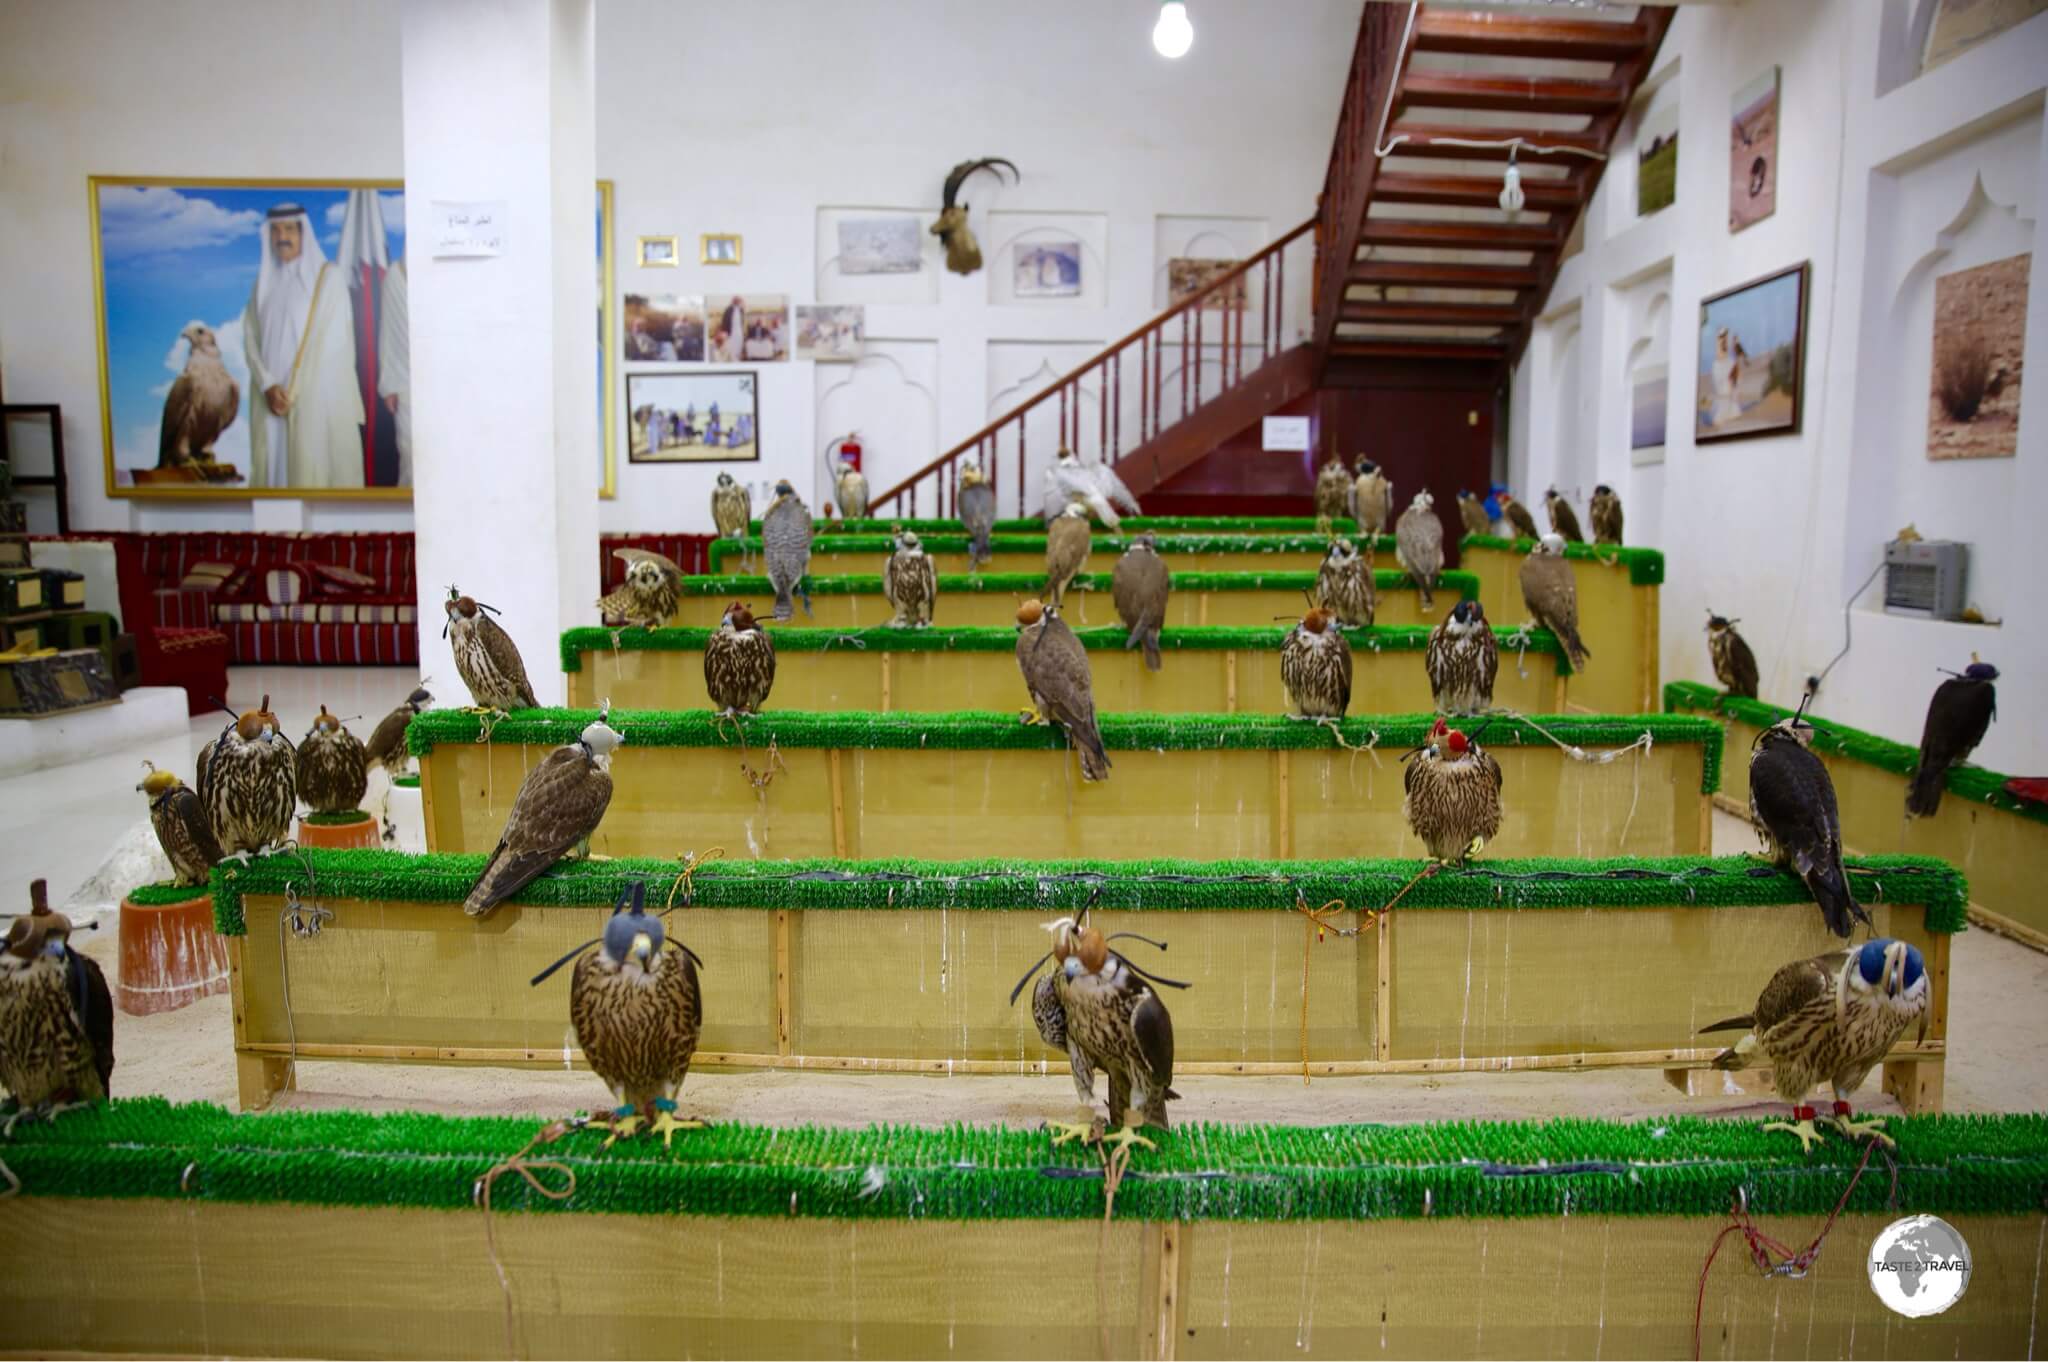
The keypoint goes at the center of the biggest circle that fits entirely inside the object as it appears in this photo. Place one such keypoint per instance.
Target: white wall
(754, 118)
(1881, 193)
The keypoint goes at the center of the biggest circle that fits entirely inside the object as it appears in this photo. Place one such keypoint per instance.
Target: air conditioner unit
(1926, 577)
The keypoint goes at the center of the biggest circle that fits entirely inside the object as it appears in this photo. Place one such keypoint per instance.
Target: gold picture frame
(719, 248)
(660, 252)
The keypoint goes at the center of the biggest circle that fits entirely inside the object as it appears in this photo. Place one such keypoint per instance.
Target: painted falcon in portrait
(1607, 518)
(1734, 663)
(1958, 717)
(56, 1013)
(1106, 1014)
(1552, 595)
(333, 771)
(1792, 807)
(1563, 520)
(786, 548)
(182, 827)
(203, 401)
(1067, 542)
(386, 746)
(486, 658)
(910, 583)
(1472, 514)
(1141, 585)
(1344, 584)
(1315, 667)
(1452, 795)
(732, 507)
(977, 507)
(739, 663)
(1831, 1019)
(558, 807)
(248, 783)
(1519, 520)
(1462, 660)
(647, 596)
(1372, 500)
(1333, 491)
(1056, 675)
(1419, 546)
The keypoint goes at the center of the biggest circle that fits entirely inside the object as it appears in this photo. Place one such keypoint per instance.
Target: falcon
(558, 807)
(1140, 585)
(1344, 584)
(1518, 518)
(1552, 595)
(333, 773)
(248, 783)
(1563, 520)
(786, 548)
(739, 663)
(649, 593)
(1462, 659)
(1472, 513)
(1066, 550)
(1734, 663)
(732, 506)
(1056, 675)
(1957, 718)
(1606, 512)
(56, 1014)
(202, 403)
(910, 584)
(1096, 485)
(638, 1011)
(1831, 1019)
(386, 746)
(1315, 667)
(1108, 1016)
(1452, 794)
(1333, 491)
(1792, 807)
(1372, 499)
(977, 505)
(486, 658)
(850, 486)
(1419, 545)
(182, 828)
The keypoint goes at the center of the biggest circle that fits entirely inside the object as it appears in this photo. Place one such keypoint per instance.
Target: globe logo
(1919, 1266)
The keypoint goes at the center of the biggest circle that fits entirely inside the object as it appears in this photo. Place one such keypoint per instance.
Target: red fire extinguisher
(849, 451)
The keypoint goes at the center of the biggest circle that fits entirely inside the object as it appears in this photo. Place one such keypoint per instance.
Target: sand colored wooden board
(1618, 622)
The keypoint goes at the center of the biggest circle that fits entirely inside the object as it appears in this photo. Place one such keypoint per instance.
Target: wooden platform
(1618, 615)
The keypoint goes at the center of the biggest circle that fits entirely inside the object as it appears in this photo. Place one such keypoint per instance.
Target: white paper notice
(1285, 433)
(469, 229)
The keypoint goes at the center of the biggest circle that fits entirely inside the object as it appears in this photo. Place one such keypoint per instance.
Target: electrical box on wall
(1926, 577)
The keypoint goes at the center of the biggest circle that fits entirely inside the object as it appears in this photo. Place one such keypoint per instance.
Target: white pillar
(500, 108)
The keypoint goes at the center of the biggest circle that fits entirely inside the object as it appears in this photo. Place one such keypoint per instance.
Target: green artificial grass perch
(1023, 584)
(1645, 566)
(165, 893)
(1131, 524)
(881, 545)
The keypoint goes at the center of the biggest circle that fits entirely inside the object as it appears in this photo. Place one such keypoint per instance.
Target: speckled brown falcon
(1606, 512)
(56, 1014)
(1831, 1019)
(1734, 663)
(1056, 675)
(1419, 546)
(732, 506)
(1453, 795)
(1563, 520)
(1344, 584)
(648, 595)
(182, 827)
(1372, 500)
(977, 513)
(739, 663)
(1315, 667)
(1333, 491)
(786, 532)
(248, 783)
(1521, 524)
(333, 772)
(1462, 660)
(558, 807)
(1066, 550)
(386, 746)
(1472, 513)
(1141, 586)
(486, 658)
(910, 584)
(1552, 596)
(1108, 1017)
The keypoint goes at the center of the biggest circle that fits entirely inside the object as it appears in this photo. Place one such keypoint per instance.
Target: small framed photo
(1752, 355)
(1047, 269)
(660, 252)
(718, 248)
(829, 333)
(692, 417)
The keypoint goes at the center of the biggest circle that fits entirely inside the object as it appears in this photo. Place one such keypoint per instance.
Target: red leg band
(1802, 1113)
(1841, 1108)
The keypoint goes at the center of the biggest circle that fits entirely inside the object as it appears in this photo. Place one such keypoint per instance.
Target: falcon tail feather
(506, 875)
(1837, 905)
(1923, 796)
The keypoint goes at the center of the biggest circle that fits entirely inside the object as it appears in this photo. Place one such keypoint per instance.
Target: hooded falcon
(1344, 584)
(486, 658)
(1419, 545)
(1066, 550)
(386, 746)
(56, 1013)
(558, 807)
(1563, 520)
(1831, 1019)
(1552, 595)
(1453, 794)
(1110, 1018)
(1056, 675)
(1140, 585)
(1734, 663)
(1957, 718)
(182, 828)
(786, 547)
(1315, 667)
(1372, 500)
(1333, 491)
(1606, 511)
(732, 506)
(649, 593)
(1462, 660)
(1792, 806)
(248, 783)
(1472, 513)
(1518, 518)
(739, 663)
(638, 1010)
(909, 583)
(977, 505)
(850, 487)
(333, 772)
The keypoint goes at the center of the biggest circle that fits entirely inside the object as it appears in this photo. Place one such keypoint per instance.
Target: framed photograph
(607, 349)
(1960, 25)
(1980, 344)
(1752, 358)
(664, 328)
(1187, 276)
(1657, 161)
(1753, 152)
(754, 327)
(829, 333)
(1649, 394)
(660, 252)
(718, 248)
(692, 417)
(1046, 269)
(891, 245)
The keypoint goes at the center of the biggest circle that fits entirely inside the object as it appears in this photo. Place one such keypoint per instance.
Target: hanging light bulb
(1173, 35)
(1511, 196)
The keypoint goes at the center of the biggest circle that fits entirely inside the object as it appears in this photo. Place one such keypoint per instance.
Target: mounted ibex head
(963, 252)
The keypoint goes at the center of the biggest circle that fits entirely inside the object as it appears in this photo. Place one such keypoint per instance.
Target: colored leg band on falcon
(1841, 1108)
(1802, 1113)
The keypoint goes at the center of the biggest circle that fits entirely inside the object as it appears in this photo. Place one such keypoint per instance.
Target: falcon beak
(1072, 966)
(643, 948)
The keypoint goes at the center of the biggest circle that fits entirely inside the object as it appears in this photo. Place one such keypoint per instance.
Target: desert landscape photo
(1980, 335)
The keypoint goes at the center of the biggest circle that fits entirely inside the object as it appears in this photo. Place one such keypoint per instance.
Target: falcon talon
(1804, 1129)
(1066, 1132)
(1870, 1128)
(1125, 1138)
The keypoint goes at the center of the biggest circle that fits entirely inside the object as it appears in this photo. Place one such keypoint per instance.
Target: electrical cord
(1813, 683)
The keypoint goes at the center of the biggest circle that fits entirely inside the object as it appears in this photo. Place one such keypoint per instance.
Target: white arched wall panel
(890, 398)
(1009, 231)
(1017, 372)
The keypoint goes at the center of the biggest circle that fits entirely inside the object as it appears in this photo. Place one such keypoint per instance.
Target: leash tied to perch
(530, 1170)
(1316, 923)
(692, 863)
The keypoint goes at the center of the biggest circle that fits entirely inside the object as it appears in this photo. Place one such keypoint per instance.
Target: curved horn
(958, 175)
